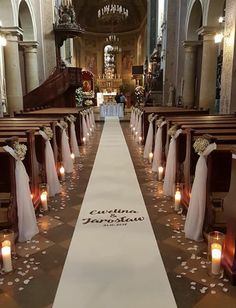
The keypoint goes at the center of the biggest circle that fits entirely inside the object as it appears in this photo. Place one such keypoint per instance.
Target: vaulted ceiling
(86, 11)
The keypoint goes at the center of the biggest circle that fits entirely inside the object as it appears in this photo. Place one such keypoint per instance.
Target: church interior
(117, 153)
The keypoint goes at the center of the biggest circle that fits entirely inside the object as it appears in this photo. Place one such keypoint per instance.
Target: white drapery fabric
(27, 225)
(73, 140)
(87, 124)
(132, 119)
(93, 119)
(149, 141)
(136, 120)
(170, 173)
(157, 155)
(139, 127)
(84, 127)
(65, 151)
(51, 173)
(196, 211)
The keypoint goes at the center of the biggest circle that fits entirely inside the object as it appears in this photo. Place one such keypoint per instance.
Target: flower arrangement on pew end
(64, 124)
(71, 118)
(48, 131)
(79, 97)
(20, 150)
(200, 145)
(172, 131)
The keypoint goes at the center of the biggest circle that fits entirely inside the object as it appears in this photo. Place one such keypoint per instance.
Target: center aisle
(113, 260)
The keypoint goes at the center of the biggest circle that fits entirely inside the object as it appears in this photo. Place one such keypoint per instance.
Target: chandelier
(112, 12)
(112, 38)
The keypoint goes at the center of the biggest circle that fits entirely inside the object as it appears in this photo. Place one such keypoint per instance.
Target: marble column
(208, 72)
(190, 54)
(31, 65)
(12, 70)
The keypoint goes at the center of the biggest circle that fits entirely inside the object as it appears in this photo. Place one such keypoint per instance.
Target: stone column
(190, 54)
(12, 69)
(208, 72)
(228, 79)
(31, 65)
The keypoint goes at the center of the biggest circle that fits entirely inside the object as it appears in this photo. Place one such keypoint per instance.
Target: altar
(111, 110)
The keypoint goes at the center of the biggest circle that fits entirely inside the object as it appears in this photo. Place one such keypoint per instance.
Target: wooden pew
(167, 112)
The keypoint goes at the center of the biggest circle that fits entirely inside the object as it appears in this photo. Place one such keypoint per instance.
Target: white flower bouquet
(48, 131)
(200, 145)
(172, 131)
(20, 150)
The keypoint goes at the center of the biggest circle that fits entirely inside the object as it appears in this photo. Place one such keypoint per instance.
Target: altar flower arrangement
(200, 145)
(88, 102)
(79, 96)
(172, 131)
(48, 131)
(20, 150)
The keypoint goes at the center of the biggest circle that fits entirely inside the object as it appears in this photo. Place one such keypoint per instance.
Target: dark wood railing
(58, 90)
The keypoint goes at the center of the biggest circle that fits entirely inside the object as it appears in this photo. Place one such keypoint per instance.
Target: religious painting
(91, 62)
(87, 86)
(127, 61)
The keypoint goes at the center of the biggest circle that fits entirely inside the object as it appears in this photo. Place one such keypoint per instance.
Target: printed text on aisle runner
(112, 217)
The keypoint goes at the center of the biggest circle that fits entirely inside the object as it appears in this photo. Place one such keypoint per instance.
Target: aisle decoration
(138, 132)
(196, 211)
(84, 127)
(27, 225)
(149, 139)
(157, 155)
(51, 173)
(65, 148)
(170, 174)
(73, 139)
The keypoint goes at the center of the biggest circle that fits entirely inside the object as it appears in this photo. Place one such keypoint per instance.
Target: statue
(171, 98)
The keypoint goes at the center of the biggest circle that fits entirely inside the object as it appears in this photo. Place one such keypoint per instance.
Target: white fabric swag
(93, 119)
(84, 127)
(27, 225)
(149, 139)
(73, 140)
(51, 172)
(170, 173)
(65, 151)
(196, 211)
(139, 130)
(88, 125)
(157, 155)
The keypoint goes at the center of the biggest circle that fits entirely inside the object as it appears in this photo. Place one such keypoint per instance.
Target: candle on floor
(139, 139)
(160, 173)
(44, 200)
(84, 140)
(150, 157)
(62, 173)
(216, 252)
(6, 256)
(72, 155)
(177, 200)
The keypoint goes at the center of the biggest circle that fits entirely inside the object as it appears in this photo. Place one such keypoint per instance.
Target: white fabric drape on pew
(157, 155)
(149, 141)
(170, 174)
(27, 225)
(84, 127)
(51, 172)
(73, 140)
(139, 129)
(196, 211)
(66, 154)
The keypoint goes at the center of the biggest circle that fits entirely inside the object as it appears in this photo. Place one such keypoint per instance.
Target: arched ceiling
(86, 11)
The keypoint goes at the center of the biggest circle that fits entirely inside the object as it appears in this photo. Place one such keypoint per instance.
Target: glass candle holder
(9, 235)
(215, 248)
(6, 256)
(43, 188)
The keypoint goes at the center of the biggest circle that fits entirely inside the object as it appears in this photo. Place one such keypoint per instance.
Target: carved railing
(59, 87)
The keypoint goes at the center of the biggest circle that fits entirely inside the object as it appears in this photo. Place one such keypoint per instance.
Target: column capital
(11, 31)
(191, 45)
(29, 46)
(208, 31)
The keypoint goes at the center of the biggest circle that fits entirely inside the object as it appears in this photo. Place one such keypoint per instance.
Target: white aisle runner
(113, 260)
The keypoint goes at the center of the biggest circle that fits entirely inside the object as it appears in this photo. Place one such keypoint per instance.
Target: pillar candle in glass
(139, 140)
(72, 155)
(160, 173)
(62, 173)
(215, 247)
(177, 200)
(6, 256)
(150, 157)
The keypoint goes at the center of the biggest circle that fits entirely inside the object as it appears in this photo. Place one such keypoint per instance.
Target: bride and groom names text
(117, 217)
